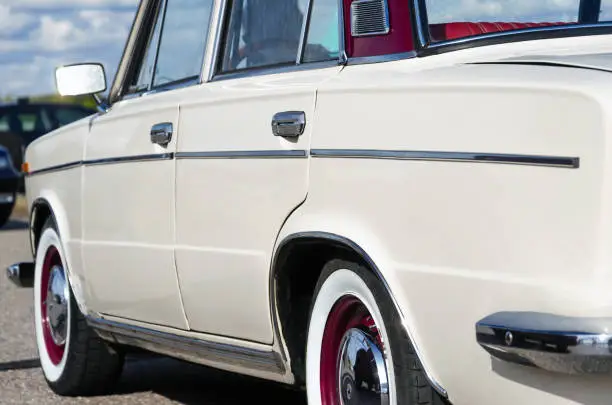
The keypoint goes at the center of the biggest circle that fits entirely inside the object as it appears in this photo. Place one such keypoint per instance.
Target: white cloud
(36, 36)
(11, 20)
(89, 28)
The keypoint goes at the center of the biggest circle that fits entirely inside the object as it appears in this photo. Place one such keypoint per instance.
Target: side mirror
(80, 79)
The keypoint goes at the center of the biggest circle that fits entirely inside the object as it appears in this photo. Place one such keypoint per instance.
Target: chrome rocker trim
(21, 274)
(189, 349)
(559, 344)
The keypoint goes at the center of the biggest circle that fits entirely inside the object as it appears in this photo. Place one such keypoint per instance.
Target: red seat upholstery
(455, 30)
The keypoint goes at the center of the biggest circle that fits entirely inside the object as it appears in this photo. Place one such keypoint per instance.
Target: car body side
(453, 240)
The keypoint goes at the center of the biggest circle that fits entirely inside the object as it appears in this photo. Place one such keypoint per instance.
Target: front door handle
(289, 123)
(161, 134)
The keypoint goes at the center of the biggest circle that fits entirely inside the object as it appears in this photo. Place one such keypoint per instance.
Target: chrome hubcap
(362, 372)
(57, 305)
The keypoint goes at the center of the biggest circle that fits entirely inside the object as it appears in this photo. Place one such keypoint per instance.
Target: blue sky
(38, 35)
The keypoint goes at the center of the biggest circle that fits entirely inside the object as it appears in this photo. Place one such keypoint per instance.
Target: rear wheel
(74, 360)
(357, 350)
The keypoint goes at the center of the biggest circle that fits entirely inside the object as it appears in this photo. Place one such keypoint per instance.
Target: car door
(129, 174)
(239, 175)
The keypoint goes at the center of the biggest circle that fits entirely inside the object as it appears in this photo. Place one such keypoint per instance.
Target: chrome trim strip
(381, 58)
(239, 154)
(342, 58)
(270, 70)
(190, 349)
(56, 168)
(420, 15)
(559, 344)
(105, 161)
(364, 255)
(216, 51)
(531, 160)
(304, 34)
(243, 154)
(124, 159)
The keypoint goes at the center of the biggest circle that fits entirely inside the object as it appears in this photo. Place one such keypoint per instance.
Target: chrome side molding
(186, 348)
(568, 345)
(21, 274)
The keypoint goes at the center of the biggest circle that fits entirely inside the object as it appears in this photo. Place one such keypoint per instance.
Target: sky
(36, 36)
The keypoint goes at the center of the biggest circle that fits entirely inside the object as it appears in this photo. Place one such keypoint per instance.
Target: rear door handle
(289, 123)
(161, 134)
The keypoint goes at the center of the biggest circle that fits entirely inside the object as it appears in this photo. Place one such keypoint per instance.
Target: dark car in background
(9, 181)
(24, 121)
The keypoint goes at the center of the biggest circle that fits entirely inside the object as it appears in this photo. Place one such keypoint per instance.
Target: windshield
(456, 19)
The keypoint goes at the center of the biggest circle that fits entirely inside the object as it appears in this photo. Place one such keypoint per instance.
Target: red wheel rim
(54, 351)
(347, 313)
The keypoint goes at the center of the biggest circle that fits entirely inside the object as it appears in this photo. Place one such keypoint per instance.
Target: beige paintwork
(128, 215)
(459, 241)
(184, 246)
(229, 211)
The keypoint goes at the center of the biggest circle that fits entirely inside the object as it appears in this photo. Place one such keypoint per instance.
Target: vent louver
(369, 17)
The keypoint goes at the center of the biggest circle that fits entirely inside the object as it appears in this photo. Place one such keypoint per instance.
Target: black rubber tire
(5, 213)
(413, 387)
(93, 366)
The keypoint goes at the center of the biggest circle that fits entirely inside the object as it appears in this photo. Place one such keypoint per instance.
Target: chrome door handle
(289, 123)
(161, 134)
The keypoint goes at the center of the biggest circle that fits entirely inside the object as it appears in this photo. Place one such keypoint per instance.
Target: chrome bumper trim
(21, 274)
(559, 344)
(7, 198)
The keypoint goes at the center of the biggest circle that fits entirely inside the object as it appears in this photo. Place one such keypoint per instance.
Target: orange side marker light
(25, 167)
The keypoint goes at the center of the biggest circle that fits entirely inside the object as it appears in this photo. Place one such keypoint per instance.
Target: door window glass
(606, 11)
(323, 32)
(183, 40)
(263, 33)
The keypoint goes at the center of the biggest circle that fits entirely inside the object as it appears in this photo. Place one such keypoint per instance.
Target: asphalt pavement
(145, 380)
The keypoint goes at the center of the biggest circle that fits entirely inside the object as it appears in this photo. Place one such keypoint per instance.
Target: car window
(323, 39)
(28, 122)
(65, 116)
(263, 33)
(25, 120)
(451, 19)
(183, 40)
(444, 11)
(606, 11)
(144, 77)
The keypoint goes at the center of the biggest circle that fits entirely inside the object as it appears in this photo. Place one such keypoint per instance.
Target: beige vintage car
(379, 201)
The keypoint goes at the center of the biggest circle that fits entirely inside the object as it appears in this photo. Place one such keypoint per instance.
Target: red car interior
(456, 30)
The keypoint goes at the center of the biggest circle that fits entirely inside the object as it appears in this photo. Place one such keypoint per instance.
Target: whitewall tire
(52, 355)
(74, 360)
(357, 351)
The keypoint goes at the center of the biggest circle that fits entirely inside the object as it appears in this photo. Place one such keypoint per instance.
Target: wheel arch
(295, 257)
(48, 206)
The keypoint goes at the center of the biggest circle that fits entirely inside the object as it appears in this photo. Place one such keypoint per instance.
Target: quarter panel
(457, 241)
